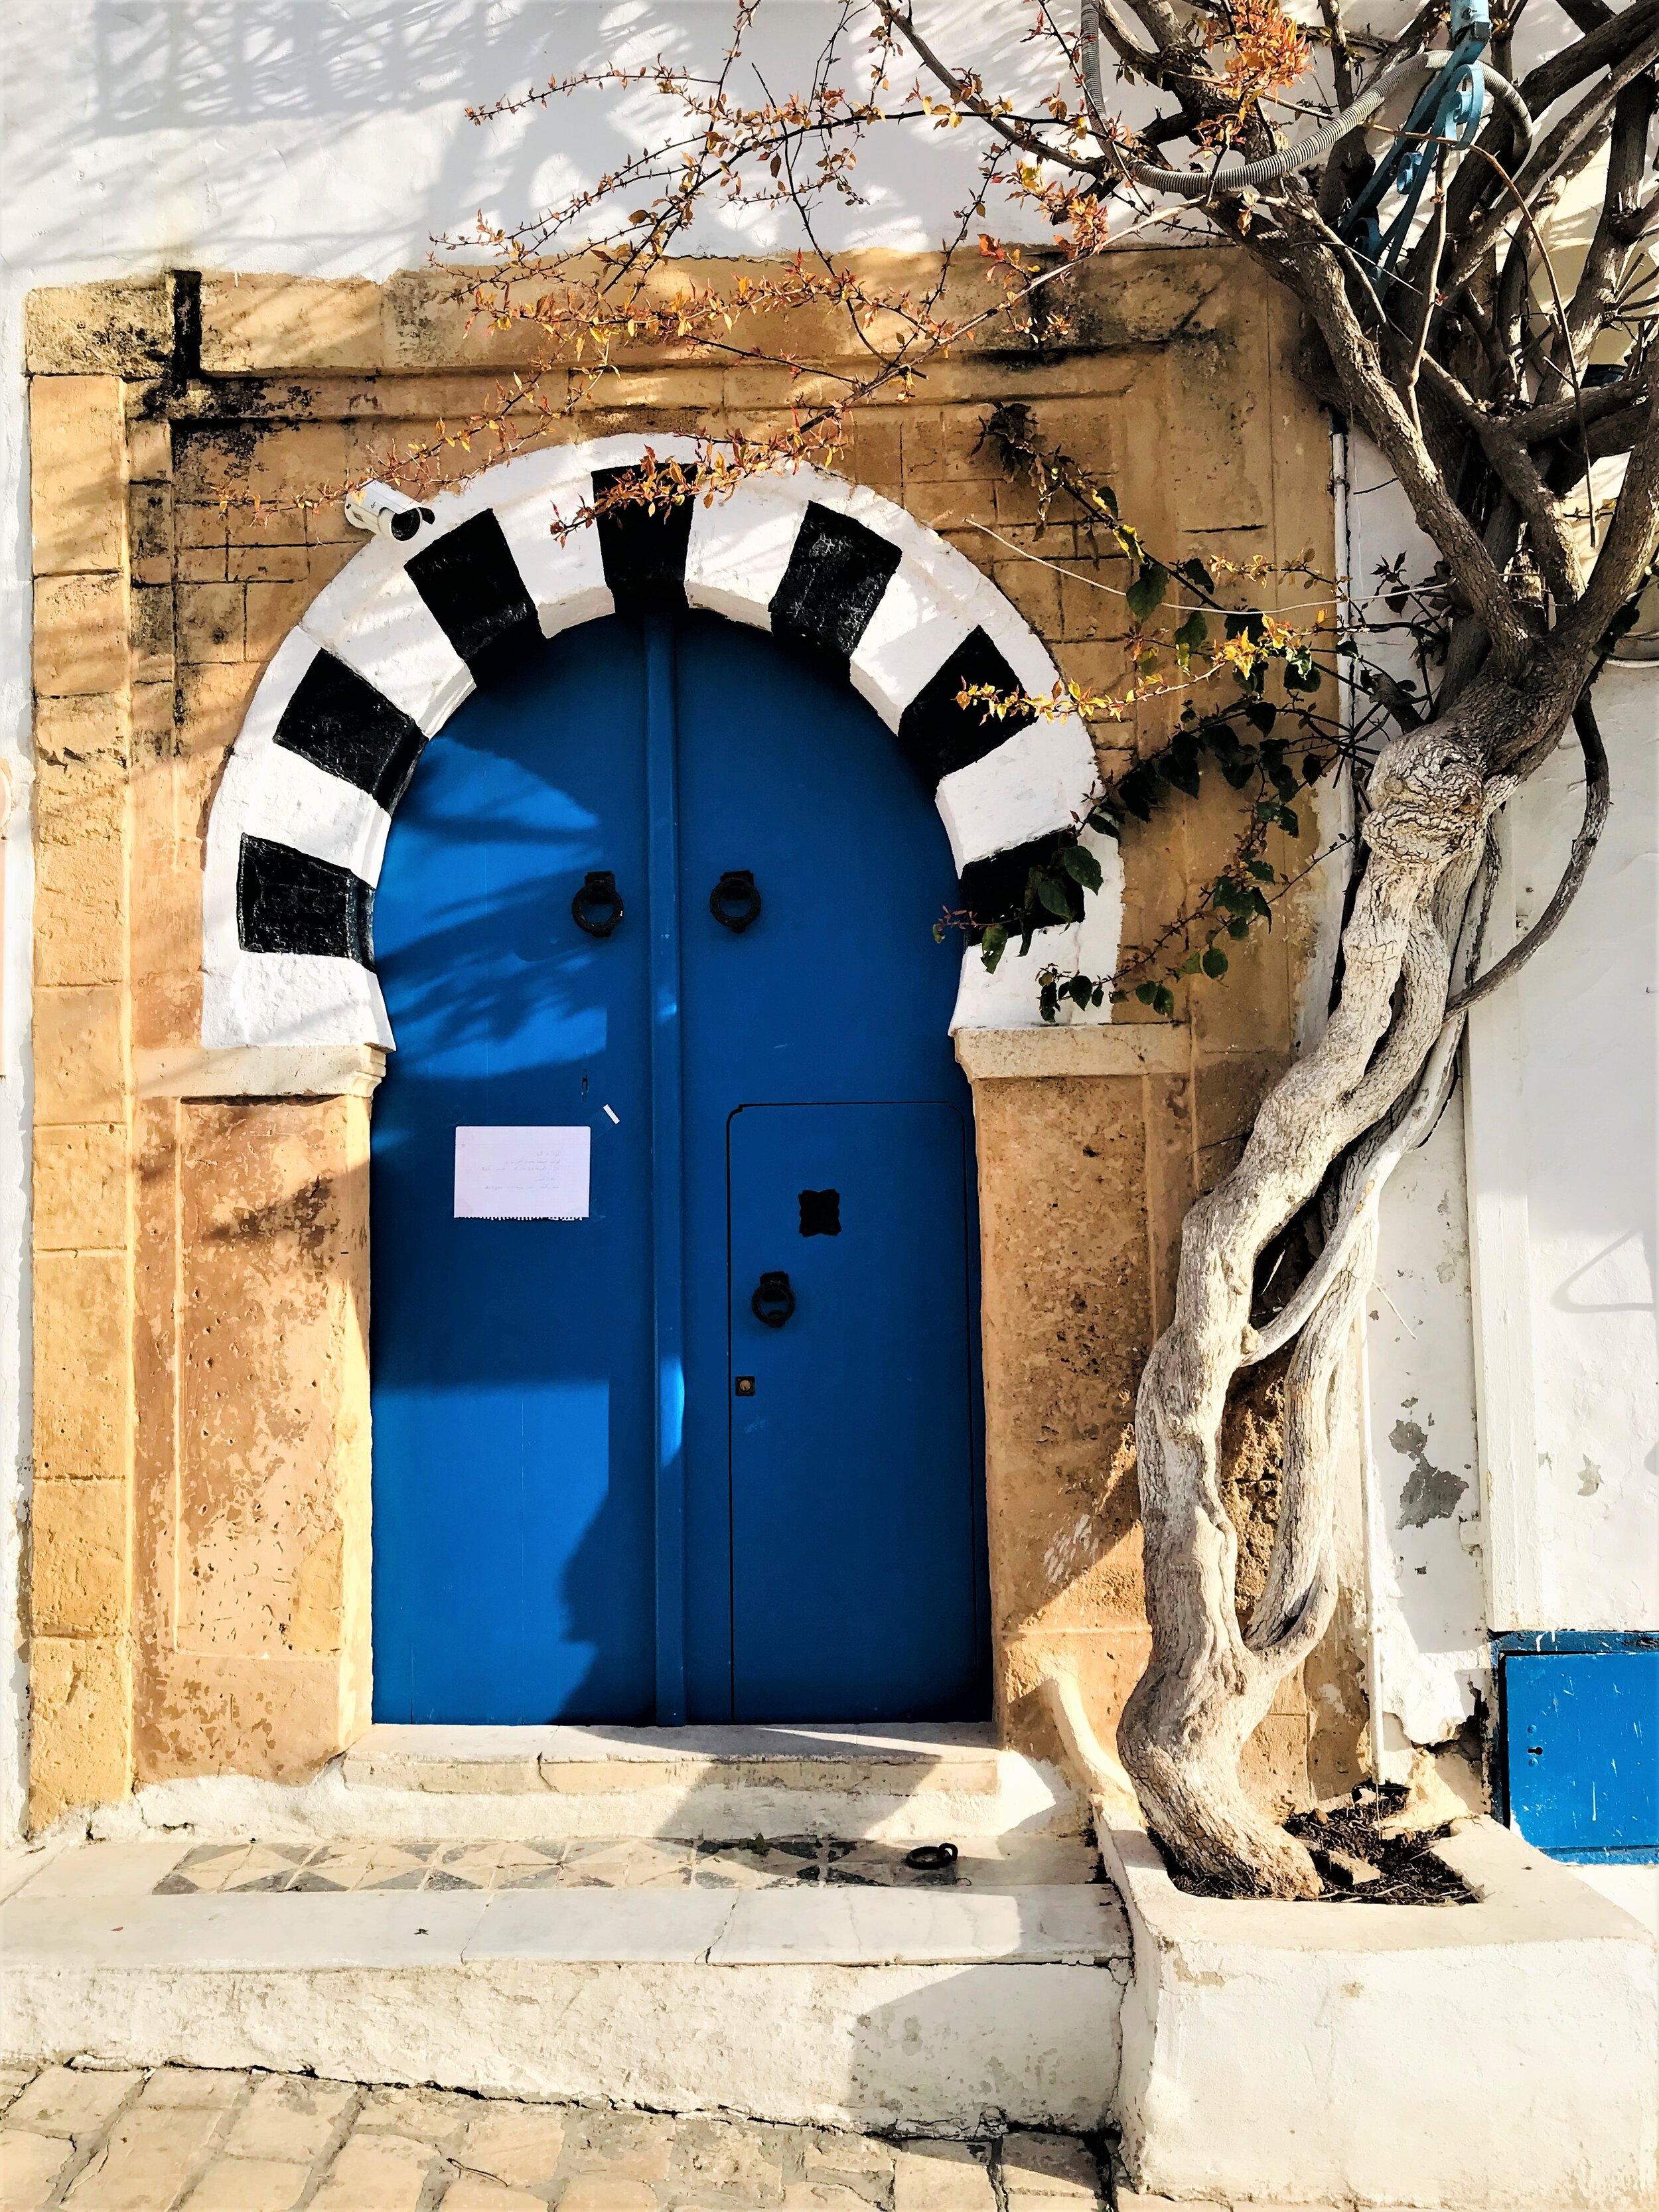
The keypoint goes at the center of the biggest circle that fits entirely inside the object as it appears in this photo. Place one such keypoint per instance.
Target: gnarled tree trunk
(1434, 792)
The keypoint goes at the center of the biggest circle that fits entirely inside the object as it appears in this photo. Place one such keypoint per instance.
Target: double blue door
(709, 1451)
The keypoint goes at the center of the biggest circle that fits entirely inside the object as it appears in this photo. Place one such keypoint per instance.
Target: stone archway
(387, 651)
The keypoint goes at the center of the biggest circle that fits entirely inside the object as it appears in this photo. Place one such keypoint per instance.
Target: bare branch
(1604, 48)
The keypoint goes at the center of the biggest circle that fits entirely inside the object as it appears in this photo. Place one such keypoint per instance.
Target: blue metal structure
(604, 1487)
(1579, 1772)
(1447, 113)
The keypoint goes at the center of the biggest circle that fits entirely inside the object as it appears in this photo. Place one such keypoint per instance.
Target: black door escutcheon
(773, 1301)
(598, 906)
(734, 901)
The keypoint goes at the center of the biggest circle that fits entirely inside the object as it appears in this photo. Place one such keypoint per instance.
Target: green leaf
(1289, 822)
(1262, 715)
(1138, 791)
(1298, 678)
(1051, 893)
(1080, 990)
(1259, 905)
(1179, 766)
(1262, 871)
(1164, 1001)
(1189, 966)
(1080, 864)
(1106, 822)
(993, 946)
(1194, 632)
(1215, 960)
(1147, 994)
(1145, 595)
(1048, 1002)
(1312, 768)
(1239, 927)
(1195, 573)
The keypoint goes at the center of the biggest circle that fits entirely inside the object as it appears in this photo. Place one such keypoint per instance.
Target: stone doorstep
(96, 1907)
(865, 1761)
(842, 2008)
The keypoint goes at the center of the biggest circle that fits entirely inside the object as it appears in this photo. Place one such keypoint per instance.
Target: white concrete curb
(1501, 2057)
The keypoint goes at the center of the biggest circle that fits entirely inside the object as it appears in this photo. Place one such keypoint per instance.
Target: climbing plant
(1402, 191)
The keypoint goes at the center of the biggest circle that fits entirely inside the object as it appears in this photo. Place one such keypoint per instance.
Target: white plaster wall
(1428, 1606)
(1587, 1025)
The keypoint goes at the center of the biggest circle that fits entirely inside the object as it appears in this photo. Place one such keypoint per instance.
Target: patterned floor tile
(650, 1863)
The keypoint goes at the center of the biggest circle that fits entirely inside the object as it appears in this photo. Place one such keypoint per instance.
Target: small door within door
(853, 1551)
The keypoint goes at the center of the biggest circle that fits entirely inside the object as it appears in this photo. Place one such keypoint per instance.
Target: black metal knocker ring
(598, 906)
(773, 1301)
(932, 1858)
(736, 889)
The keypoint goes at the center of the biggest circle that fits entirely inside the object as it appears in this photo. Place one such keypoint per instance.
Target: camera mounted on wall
(388, 514)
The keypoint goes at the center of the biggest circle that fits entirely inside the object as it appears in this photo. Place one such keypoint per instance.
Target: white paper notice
(522, 1174)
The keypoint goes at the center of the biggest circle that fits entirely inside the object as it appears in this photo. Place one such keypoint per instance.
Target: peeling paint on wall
(1431, 1493)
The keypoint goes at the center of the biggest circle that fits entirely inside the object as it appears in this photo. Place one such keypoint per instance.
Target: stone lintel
(344, 1071)
(1084, 1048)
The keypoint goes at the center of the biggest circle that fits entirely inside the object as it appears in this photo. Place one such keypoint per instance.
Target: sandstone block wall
(201, 1539)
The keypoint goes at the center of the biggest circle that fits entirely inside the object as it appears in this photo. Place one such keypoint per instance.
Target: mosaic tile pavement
(608, 1862)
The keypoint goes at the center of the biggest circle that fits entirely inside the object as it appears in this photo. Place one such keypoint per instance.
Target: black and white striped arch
(389, 650)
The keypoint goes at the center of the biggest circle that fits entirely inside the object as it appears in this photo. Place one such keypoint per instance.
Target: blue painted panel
(1582, 1733)
(852, 1520)
(542, 1548)
(512, 1359)
(837, 991)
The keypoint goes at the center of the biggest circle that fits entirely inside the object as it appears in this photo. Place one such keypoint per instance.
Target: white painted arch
(373, 619)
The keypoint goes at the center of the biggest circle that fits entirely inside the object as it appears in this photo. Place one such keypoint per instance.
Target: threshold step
(953, 1758)
(843, 2003)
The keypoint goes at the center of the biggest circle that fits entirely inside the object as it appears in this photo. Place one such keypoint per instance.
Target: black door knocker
(598, 906)
(734, 901)
(773, 1301)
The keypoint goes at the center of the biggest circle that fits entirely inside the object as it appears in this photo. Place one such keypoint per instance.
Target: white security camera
(378, 507)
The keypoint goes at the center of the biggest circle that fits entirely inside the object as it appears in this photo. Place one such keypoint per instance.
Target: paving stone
(13, 2080)
(634, 2146)
(476, 2193)
(375, 2173)
(1136, 2200)
(1057, 2167)
(427, 2115)
(193, 2088)
(1025, 2200)
(726, 2163)
(608, 2192)
(64, 2101)
(29, 2167)
(517, 2143)
(147, 2160)
(288, 2119)
(821, 2197)
(941, 2177)
(848, 2154)
(249, 2185)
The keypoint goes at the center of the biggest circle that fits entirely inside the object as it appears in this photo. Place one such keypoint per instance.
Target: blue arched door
(707, 1450)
